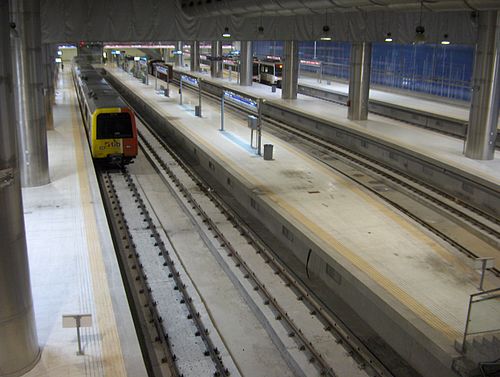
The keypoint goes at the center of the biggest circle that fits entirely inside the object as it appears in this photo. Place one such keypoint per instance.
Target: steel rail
(127, 251)
(354, 347)
(437, 198)
(126, 239)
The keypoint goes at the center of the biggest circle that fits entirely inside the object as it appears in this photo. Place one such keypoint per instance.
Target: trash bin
(197, 110)
(268, 152)
(166, 93)
(273, 88)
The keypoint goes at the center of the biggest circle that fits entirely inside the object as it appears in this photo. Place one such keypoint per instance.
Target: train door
(255, 73)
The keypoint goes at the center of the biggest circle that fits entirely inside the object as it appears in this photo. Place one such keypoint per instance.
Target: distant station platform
(431, 145)
(412, 101)
(72, 260)
(410, 286)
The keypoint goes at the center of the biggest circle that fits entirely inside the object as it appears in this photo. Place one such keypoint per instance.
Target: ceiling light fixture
(261, 27)
(326, 29)
(420, 30)
(226, 33)
(325, 36)
(388, 37)
(445, 40)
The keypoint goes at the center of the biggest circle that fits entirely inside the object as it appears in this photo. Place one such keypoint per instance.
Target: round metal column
(48, 84)
(28, 92)
(166, 55)
(246, 63)
(216, 62)
(483, 116)
(359, 80)
(290, 70)
(179, 57)
(195, 56)
(19, 350)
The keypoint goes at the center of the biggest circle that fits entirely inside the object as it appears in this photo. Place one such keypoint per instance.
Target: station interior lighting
(388, 37)
(420, 30)
(445, 40)
(325, 36)
(59, 53)
(420, 35)
(226, 33)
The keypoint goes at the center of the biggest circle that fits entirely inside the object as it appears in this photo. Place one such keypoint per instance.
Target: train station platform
(407, 284)
(454, 110)
(72, 260)
(398, 144)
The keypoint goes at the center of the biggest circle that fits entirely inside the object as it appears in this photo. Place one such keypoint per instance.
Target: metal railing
(483, 316)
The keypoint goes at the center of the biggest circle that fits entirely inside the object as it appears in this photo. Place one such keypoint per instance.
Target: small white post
(77, 320)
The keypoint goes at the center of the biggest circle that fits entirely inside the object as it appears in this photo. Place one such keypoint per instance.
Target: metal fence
(482, 317)
(444, 71)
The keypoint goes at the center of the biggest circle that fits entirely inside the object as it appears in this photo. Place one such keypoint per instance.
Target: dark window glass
(279, 69)
(255, 69)
(114, 126)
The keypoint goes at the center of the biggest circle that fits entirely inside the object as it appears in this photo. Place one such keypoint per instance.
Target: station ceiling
(348, 20)
(245, 8)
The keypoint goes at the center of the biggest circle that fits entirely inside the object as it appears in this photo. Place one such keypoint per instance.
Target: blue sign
(190, 80)
(240, 99)
(161, 69)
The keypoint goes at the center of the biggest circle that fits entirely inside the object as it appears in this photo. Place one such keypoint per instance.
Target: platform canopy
(348, 20)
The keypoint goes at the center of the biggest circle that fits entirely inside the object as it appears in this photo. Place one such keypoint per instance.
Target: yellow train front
(109, 122)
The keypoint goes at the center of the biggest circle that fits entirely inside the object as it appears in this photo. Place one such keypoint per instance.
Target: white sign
(71, 320)
(487, 262)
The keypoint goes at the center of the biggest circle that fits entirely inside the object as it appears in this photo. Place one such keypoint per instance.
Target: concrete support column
(359, 80)
(216, 62)
(179, 57)
(28, 92)
(195, 56)
(246, 63)
(19, 350)
(48, 84)
(290, 70)
(483, 116)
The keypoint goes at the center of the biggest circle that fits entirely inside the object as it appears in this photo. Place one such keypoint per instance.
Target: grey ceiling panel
(163, 20)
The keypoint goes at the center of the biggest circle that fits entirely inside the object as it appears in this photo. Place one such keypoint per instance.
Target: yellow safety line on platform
(387, 284)
(112, 356)
(384, 282)
(373, 201)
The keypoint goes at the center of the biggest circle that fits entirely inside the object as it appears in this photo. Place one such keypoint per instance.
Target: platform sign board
(161, 69)
(484, 263)
(77, 321)
(190, 80)
(487, 263)
(240, 99)
(70, 321)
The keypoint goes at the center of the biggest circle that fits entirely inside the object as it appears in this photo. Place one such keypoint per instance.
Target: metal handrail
(483, 296)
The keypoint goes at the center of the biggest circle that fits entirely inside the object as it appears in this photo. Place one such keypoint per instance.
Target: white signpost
(77, 320)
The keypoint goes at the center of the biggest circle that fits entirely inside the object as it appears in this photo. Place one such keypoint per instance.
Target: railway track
(213, 223)
(310, 338)
(483, 227)
(161, 291)
(293, 313)
(308, 335)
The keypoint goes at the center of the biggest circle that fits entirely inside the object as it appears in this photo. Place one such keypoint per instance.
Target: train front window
(114, 126)
(279, 69)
